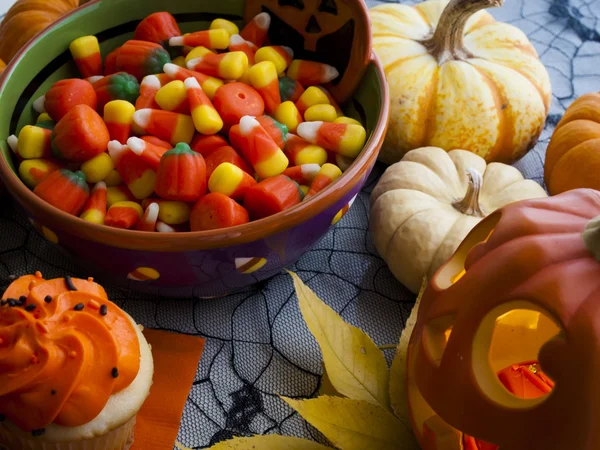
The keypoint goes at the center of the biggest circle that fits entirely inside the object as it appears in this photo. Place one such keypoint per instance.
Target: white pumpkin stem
(470, 204)
(591, 237)
(447, 42)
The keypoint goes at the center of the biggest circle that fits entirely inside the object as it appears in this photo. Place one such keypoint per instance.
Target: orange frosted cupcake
(74, 368)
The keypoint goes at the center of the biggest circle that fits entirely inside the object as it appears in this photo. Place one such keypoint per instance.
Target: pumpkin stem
(470, 204)
(447, 42)
(591, 237)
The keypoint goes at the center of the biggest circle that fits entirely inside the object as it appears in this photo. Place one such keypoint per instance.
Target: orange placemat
(176, 358)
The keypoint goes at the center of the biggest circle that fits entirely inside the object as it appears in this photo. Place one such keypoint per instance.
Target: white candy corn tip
(136, 145)
(176, 41)
(310, 171)
(93, 79)
(236, 39)
(116, 149)
(288, 50)
(330, 73)
(142, 117)
(13, 143)
(192, 63)
(151, 212)
(191, 83)
(170, 69)
(247, 124)
(39, 105)
(263, 20)
(309, 130)
(162, 227)
(151, 81)
(99, 186)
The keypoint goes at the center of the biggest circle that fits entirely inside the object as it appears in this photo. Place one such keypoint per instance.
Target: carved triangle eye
(313, 26)
(328, 6)
(298, 4)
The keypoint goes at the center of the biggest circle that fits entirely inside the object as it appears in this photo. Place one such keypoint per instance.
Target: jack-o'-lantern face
(336, 32)
(522, 288)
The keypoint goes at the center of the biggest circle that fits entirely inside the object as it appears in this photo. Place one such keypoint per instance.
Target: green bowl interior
(48, 59)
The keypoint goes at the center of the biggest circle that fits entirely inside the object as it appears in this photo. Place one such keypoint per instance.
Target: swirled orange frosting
(63, 352)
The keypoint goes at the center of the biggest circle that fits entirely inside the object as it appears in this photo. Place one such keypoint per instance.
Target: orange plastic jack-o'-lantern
(335, 32)
(523, 287)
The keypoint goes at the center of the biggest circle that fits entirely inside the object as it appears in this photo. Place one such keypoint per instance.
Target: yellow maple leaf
(270, 442)
(355, 366)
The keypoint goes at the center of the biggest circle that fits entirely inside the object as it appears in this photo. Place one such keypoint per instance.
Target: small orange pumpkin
(573, 156)
(523, 286)
(25, 19)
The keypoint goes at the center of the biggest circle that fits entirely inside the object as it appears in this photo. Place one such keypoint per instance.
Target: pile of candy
(200, 142)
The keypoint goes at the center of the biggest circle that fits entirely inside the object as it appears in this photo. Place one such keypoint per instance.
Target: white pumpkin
(459, 79)
(425, 205)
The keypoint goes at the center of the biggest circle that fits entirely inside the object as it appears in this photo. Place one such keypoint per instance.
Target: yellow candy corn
(324, 113)
(97, 168)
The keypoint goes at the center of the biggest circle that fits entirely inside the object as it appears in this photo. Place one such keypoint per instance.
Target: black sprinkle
(79, 307)
(12, 302)
(2, 418)
(3, 302)
(115, 372)
(30, 307)
(70, 284)
(103, 310)
(23, 298)
(39, 432)
(48, 298)
(53, 392)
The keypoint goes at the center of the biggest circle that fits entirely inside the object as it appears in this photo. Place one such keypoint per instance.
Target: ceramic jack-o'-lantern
(523, 288)
(335, 32)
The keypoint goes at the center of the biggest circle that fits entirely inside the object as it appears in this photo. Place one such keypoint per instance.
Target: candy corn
(236, 100)
(263, 77)
(13, 143)
(138, 175)
(332, 101)
(205, 116)
(310, 97)
(272, 196)
(227, 66)
(80, 135)
(196, 53)
(33, 171)
(116, 194)
(149, 219)
(95, 208)
(173, 212)
(34, 142)
(64, 190)
(149, 86)
(118, 86)
(180, 61)
(226, 25)
(140, 58)
(311, 73)
(290, 90)
(165, 125)
(181, 175)
(66, 94)
(279, 55)
(256, 30)
(230, 180)
(260, 149)
(156, 141)
(302, 152)
(214, 211)
(323, 113)
(118, 117)
(147, 151)
(222, 155)
(86, 53)
(159, 28)
(343, 162)
(347, 121)
(276, 130)
(327, 175)
(217, 39)
(97, 168)
(347, 140)
(123, 215)
(239, 44)
(39, 104)
(207, 144)
(304, 174)
(287, 114)
(173, 97)
(209, 84)
(45, 121)
(304, 190)
(162, 227)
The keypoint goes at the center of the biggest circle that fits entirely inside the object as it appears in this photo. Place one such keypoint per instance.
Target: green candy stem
(77, 178)
(124, 87)
(180, 149)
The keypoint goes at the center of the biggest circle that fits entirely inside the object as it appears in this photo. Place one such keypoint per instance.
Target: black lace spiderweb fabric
(257, 344)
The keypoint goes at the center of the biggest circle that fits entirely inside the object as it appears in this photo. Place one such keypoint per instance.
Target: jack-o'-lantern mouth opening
(314, 42)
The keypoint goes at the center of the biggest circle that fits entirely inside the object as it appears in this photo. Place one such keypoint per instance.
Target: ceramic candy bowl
(211, 263)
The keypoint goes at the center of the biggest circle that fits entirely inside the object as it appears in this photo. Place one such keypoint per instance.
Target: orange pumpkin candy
(181, 175)
(522, 286)
(573, 156)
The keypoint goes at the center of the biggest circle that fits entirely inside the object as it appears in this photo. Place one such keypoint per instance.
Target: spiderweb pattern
(257, 344)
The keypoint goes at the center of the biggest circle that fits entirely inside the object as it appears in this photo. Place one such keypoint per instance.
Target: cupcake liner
(118, 439)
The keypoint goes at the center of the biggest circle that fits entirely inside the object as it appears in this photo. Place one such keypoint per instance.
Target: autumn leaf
(326, 387)
(354, 364)
(270, 442)
(353, 424)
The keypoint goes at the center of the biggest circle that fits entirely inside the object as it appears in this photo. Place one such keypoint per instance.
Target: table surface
(257, 344)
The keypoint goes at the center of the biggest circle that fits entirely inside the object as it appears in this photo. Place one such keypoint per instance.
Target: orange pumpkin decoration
(523, 286)
(27, 18)
(573, 156)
